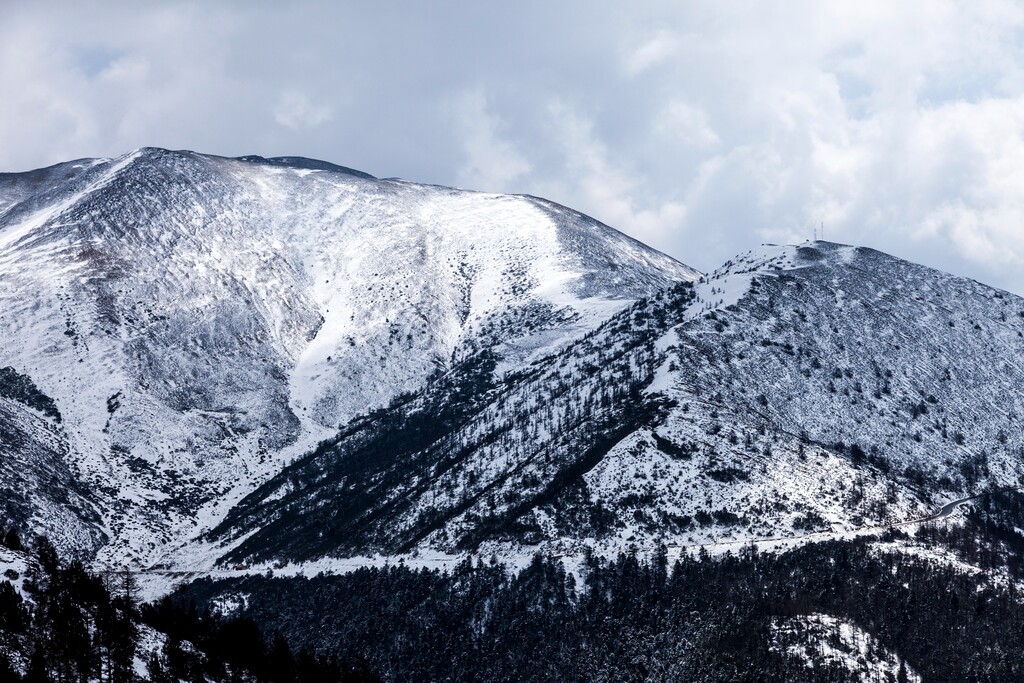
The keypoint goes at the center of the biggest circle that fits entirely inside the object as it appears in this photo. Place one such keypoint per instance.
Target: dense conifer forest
(702, 618)
(747, 615)
(76, 626)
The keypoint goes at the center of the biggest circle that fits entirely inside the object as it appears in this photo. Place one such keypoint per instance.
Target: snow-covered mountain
(796, 390)
(253, 360)
(198, 322)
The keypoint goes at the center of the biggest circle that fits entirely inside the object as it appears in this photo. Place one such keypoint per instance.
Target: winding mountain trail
(942, 513)
(159, 581)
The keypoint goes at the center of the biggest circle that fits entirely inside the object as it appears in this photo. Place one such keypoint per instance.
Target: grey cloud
(701, 128)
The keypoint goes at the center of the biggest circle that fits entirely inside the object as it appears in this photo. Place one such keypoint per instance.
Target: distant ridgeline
(21, 388)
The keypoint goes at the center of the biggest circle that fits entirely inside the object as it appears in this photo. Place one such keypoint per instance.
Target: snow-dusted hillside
(265, 360)
(824, 387)
(200, 321)
(796, 390)
(820, 639)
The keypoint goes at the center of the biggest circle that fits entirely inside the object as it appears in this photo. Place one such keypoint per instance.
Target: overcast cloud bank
(701, 130)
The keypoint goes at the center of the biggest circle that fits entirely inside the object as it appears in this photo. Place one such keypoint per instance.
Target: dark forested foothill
(745, 616)
(702, 618)
(73, 625)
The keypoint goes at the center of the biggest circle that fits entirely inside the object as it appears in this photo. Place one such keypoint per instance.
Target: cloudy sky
(701, 128)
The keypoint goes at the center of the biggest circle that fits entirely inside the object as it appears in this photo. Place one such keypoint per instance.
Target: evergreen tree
(12, 540)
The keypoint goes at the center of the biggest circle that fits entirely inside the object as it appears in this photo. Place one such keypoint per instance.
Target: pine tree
(13, 541)
(37, 670)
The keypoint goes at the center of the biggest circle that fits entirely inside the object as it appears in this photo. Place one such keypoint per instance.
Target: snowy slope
(283, 360)
(38, 490)
(19, 187)
(201, 321)
(825, 387)
(796, 390)
(821, 639)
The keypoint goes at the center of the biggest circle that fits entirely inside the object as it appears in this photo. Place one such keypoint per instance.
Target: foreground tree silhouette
(78, 628)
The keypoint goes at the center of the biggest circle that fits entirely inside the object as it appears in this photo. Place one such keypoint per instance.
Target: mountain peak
(306, 163)
(200, 320)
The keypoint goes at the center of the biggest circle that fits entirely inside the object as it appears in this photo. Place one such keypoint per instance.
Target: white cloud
(492, 163)
(126, 70)
(656, 49)
(700, 127)
(973, 191)
(296, 111)
(688, 123)
(611, 193)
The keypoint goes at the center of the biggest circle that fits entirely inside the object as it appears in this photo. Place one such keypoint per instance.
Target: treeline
(202, 646)
(699, 619)
(10, 539)
(406, 472)
(736, 617)
(74, 626)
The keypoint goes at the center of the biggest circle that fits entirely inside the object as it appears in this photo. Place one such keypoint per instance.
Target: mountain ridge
(201, 320)
(768, 430)
(263, 361)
